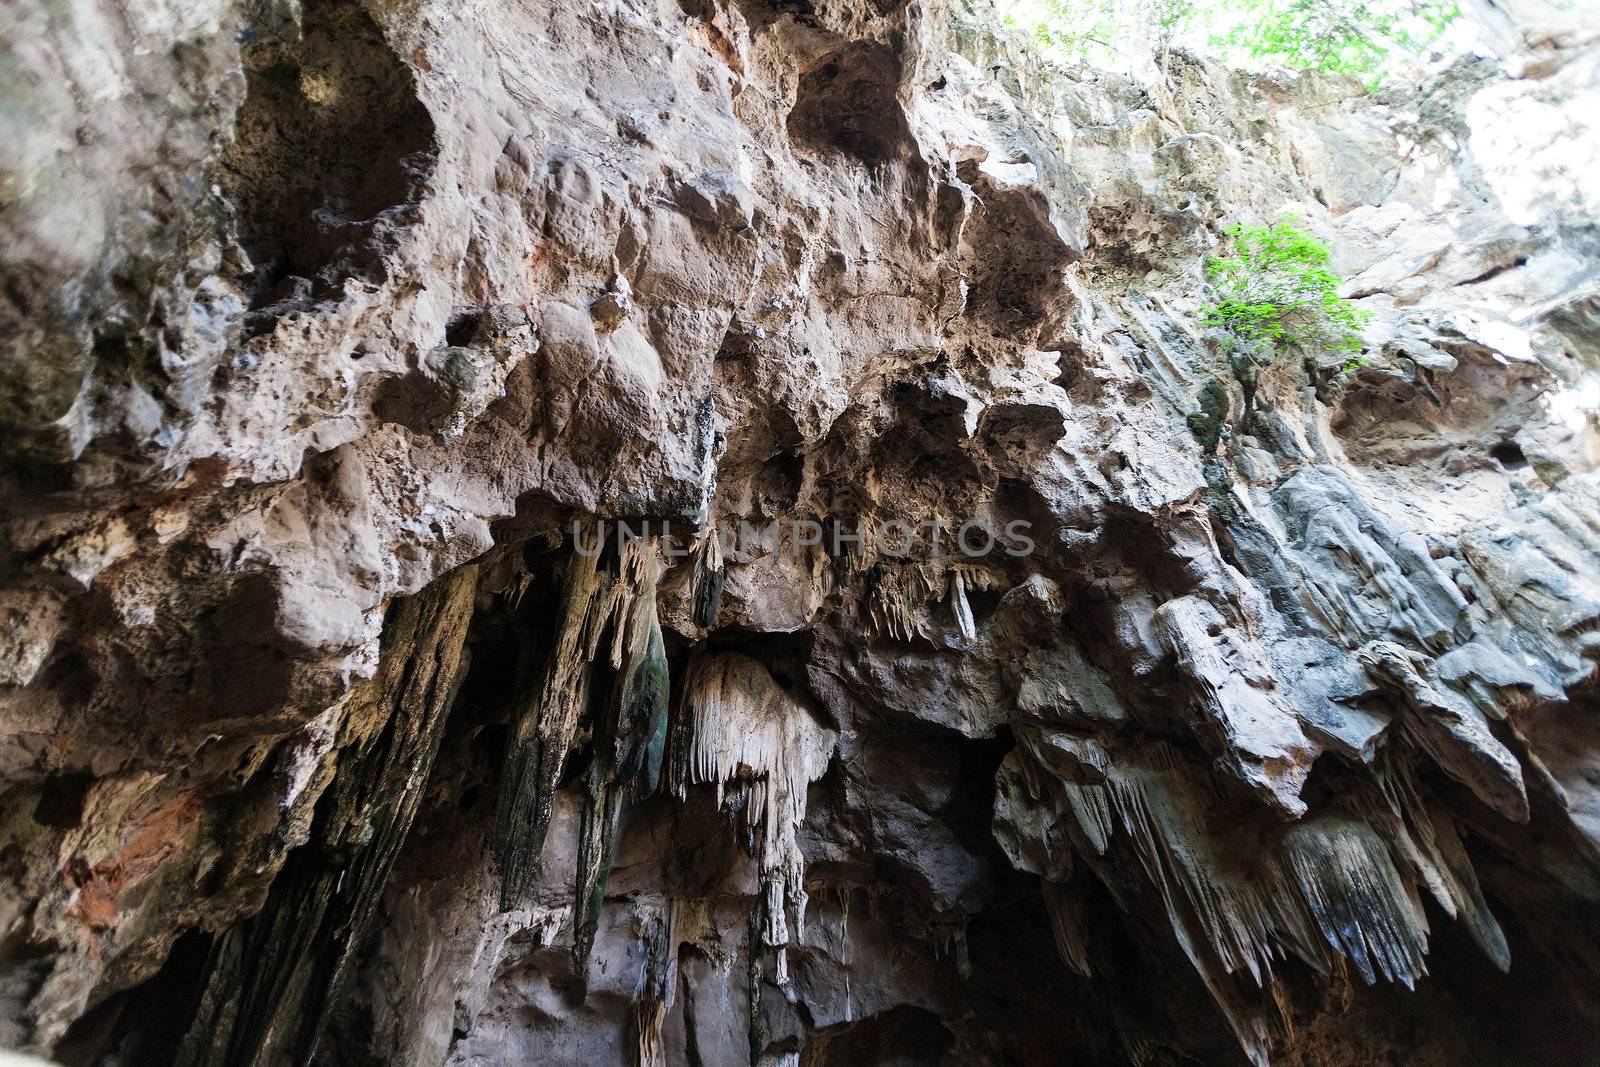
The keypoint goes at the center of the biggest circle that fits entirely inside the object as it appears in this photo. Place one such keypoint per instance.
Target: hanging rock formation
(399, 662)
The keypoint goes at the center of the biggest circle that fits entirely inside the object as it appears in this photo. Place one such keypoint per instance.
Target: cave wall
(327, 325)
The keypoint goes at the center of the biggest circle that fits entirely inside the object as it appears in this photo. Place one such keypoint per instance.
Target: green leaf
(1274, 286)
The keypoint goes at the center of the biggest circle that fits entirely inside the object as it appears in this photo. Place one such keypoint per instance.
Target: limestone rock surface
(342, 342)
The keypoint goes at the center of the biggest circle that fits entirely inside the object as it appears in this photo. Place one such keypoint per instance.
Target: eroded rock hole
(1509, 455)
(846, 105)
(1014, 259)
(462, 327)
(330, 149)
(60, 803)
(777, 485)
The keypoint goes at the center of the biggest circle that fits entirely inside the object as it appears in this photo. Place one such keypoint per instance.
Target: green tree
(1354, 37)
(1366, 38)
(1116, 34)
(1274, 292)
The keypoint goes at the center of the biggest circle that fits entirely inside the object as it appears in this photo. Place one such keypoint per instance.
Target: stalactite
(647, 1018)
(746, 731)
(1449, 729)
(630, 741)
(594, 602)
(641, 718)
(960, 608)
(1068, 926)
(657, 981)
(755, 974)
(710, 572)
(952, 941)
(602, 818)
(1425, 838)
(894, 608)
(1329, 890)
(1368, 914)
(272, 981)
(897, 605)
(844, 951)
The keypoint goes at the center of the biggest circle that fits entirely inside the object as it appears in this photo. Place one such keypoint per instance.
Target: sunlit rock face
(333, 332)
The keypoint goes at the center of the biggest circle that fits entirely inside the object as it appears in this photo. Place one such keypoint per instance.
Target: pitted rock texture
(331, 328)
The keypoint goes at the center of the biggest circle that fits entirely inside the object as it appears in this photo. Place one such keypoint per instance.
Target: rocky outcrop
(708, 532)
